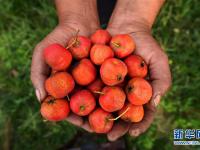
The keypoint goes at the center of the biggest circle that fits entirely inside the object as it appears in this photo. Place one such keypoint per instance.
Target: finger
(157, 60)
(87, 127)
(75, 120)
(39, 69)
(138, 128)
(39, 73)
(118, 130)
(160, 76)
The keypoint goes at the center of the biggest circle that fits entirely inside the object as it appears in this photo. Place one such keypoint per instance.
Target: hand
(67, 27)
(160, 76)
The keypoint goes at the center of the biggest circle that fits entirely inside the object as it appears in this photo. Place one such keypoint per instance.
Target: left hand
(160, 76)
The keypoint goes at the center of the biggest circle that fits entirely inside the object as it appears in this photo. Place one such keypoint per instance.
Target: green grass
(24, 23)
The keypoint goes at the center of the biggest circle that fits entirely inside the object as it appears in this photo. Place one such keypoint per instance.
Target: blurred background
(24, 23)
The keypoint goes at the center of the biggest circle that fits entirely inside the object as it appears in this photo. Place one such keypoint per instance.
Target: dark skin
(134, 17)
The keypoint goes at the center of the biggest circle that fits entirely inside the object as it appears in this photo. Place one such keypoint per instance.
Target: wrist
(128, 27)
(78, 12)
(137, 15)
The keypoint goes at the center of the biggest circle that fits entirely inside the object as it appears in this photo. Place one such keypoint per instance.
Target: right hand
(61, 34)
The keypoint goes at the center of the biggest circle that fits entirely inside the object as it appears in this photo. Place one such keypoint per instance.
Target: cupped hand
(61, 34)
(159, 76)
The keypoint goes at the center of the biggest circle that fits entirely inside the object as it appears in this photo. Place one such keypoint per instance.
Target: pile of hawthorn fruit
(99, 78)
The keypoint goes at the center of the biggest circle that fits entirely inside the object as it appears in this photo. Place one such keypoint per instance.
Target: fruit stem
(74, 41)
(119, 77)
(142, 64)
(129, 89)
(51, 101)
(82, 108)
(116, 44)
(113, 119)
(98, 92)
(53, 72)
(68, 98)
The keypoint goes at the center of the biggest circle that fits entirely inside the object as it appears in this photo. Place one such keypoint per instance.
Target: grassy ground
(24, 23)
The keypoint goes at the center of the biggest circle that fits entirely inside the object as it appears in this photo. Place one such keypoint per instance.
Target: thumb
(160, 76)
(140, 127)
(39, 72)
(39, 89)
(39, 69)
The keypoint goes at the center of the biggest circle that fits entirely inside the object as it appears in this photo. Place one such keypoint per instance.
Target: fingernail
(37, 93)
(156, 100)
(112, 138)
(135, 132)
